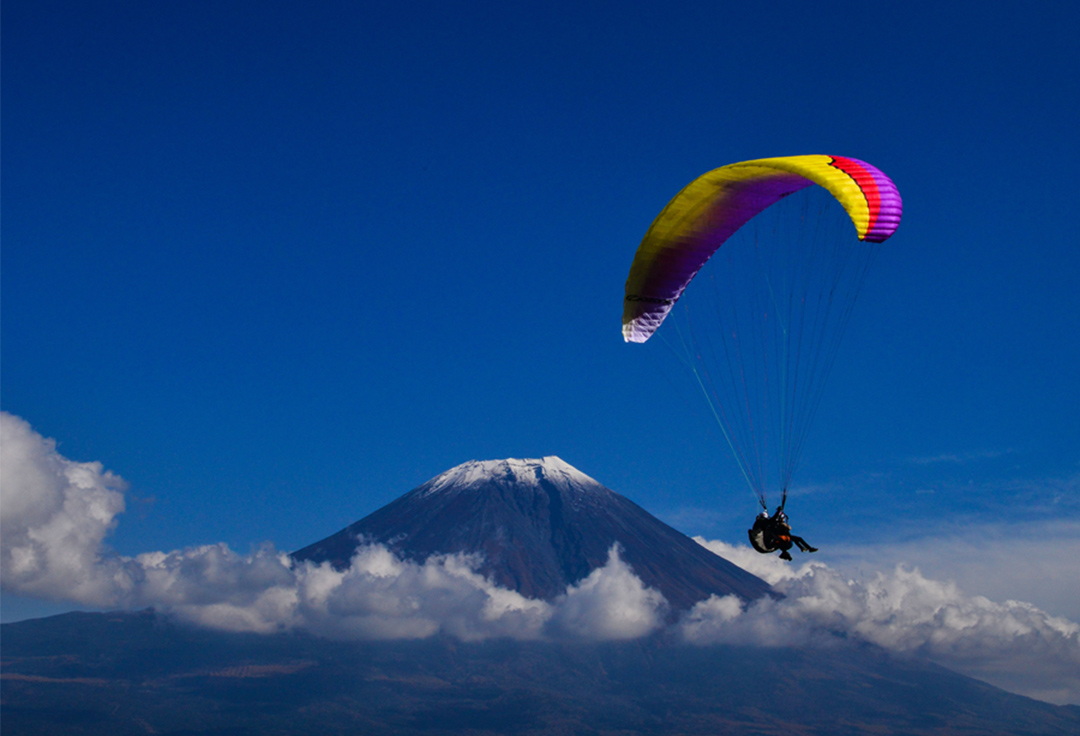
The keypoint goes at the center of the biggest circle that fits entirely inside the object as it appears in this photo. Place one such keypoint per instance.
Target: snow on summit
(525, 472)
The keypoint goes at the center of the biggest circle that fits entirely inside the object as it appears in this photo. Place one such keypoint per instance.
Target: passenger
(771, 533)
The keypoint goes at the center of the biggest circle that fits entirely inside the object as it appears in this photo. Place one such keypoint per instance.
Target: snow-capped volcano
(539, 525)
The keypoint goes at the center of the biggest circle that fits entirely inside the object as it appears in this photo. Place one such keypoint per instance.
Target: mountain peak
(538, 525)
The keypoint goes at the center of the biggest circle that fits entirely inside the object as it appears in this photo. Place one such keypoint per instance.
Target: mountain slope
(136, 673)
(540, 526)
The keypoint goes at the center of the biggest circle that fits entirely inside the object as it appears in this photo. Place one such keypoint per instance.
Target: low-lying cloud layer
(57, 514)
(1013, 645)
(1032, 560)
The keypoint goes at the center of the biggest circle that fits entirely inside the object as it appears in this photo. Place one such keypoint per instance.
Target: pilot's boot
(785, 556)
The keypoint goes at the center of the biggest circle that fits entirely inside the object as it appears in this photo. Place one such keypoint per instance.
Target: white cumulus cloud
(54, 516)
(1033, 560)
(382, 597)
(610, 603)
(1014, 645)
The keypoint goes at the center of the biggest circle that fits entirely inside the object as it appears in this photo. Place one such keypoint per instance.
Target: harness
(766, 536)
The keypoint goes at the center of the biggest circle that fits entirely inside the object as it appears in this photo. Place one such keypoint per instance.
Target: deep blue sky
(276, 264)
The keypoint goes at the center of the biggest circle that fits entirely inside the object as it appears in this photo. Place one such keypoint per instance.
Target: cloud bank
(57, 513)
(1013, 645)
(1036, 560)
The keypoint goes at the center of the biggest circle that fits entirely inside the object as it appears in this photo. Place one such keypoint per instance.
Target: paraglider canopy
(712, 207)
(791, 269)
